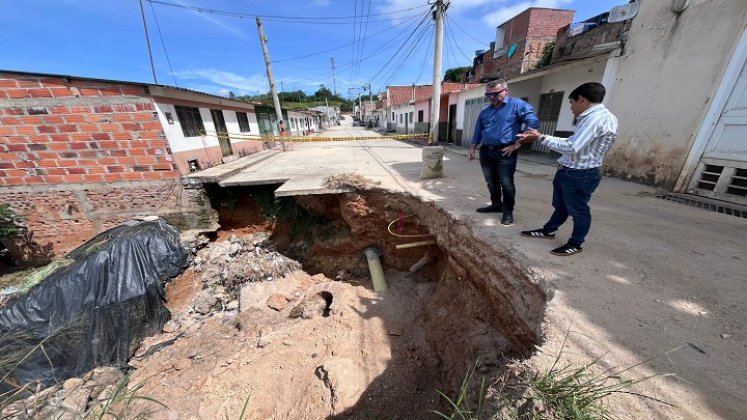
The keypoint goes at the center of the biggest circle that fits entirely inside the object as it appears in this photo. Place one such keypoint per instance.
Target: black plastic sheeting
(95, 311)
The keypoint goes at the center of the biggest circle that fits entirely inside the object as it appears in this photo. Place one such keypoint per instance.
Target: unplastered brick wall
(57, 130)
(67, 216)
(78, 156)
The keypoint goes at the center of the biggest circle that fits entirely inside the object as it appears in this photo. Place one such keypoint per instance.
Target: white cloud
(221, 82)
(502, 14)
(231, 29)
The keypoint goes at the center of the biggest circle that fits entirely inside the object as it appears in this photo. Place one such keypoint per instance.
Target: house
(448, 105)
(682, 131)
(519, 44)
(80, 155)
(396, 108)
(680, 94)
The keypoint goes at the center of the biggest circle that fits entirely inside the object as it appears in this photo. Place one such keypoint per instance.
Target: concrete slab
(221, 172)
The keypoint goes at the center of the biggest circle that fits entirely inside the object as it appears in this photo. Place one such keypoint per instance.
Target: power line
(468, 34)
(406, 57)
(341, 46)
(426, 16)
(425, 59)
(453, 39)
(163, 43)
(289, 18)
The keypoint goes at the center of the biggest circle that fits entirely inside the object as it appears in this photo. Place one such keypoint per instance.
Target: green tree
(456, 74)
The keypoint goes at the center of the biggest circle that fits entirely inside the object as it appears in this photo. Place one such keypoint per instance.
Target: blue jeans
(572, 189)
(498, 171)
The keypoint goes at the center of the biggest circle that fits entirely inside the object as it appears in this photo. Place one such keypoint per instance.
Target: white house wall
(664, 83)
(565, 82)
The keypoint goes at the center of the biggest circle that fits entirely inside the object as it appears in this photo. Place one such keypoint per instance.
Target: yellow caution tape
(308, 139)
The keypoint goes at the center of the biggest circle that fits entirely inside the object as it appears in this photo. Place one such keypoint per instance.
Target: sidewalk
(656, 279)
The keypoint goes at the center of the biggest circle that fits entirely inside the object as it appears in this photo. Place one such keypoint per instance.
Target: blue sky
(219, 52)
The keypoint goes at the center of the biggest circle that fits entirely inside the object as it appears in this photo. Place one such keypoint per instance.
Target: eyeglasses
(491, 94)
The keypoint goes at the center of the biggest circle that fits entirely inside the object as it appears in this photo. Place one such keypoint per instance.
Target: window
(190, 120)
(393, 119)
(243, 122)
(411, 114)
(420, 115)
(499, 50)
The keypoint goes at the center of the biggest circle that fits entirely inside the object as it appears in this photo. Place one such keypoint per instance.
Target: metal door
(548, 111)
(722, 170)
(222, 132)
(472, 108)
(452, 124)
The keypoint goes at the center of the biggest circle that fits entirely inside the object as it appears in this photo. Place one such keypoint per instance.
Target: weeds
(303, 224)
(461, 406)
(243, 409)
(574, 393)
(577, 393)
(119, 405)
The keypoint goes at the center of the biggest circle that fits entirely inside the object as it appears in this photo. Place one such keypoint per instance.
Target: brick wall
(78, 156)
(57, 131)
(579, 46)
(530, 30)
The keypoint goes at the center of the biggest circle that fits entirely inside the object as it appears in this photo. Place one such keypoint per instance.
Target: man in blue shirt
(495, 132)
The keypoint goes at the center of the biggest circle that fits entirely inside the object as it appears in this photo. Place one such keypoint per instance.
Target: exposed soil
(250, 326)
(327, 345)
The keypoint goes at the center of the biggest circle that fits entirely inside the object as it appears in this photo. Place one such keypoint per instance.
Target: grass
(460, 406)
(121, 404)
(573, 393)
(577, 392)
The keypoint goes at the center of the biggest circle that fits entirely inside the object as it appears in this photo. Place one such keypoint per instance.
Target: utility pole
(438, 14)
(147, 41)
(271, 79)
(334, 82)
(433, 154)
(370, 99)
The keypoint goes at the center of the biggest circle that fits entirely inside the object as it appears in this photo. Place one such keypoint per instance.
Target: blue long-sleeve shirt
(499, 126)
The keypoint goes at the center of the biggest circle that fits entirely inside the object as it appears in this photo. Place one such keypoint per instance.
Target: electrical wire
(163, 43)
(285, 18)
(405, 58)
(468, 34)
(454, 41)
(425, 59)
(427, 15)
(341, 46)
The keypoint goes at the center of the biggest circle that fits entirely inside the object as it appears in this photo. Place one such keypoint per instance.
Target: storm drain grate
(705, 204)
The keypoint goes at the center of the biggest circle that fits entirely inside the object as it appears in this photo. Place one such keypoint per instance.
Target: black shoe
(537, 233)
(490, 209)
(566, 250)
(507, 219)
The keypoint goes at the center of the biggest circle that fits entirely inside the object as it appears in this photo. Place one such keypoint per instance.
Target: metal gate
(472, 108)
(549, 109)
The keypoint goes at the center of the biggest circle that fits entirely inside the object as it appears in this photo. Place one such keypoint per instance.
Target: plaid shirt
(596, 129)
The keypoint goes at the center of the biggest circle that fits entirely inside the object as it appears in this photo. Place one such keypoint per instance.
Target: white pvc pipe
(415, 244)
(376, 270)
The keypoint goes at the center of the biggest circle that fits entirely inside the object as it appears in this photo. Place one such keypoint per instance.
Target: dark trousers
(572, 189)
(498, 171)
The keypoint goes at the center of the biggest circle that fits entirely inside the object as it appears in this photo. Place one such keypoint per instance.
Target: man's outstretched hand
(528, 136)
